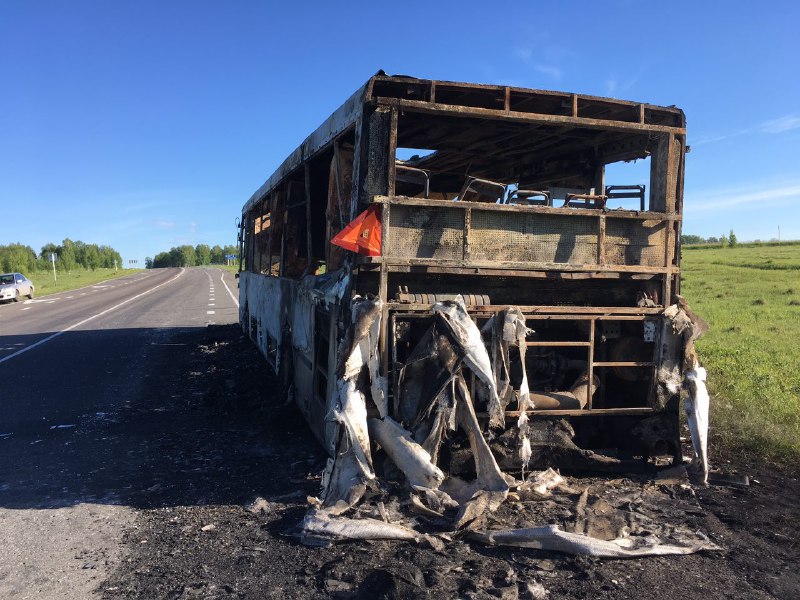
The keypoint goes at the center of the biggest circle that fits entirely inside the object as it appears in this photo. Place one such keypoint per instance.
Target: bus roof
(431, 99)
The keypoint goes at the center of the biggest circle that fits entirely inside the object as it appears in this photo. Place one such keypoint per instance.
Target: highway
(86, 376)
(72, 353)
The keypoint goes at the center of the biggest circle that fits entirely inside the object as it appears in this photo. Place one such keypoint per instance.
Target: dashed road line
(100, 314)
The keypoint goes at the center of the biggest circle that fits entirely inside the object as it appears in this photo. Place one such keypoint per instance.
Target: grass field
(750, 295)
(44, 284)
(232, 269)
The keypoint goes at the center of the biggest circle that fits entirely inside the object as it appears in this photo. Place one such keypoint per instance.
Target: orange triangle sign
(363, 234)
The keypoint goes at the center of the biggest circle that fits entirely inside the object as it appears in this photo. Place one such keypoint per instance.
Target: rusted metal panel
(617, 214)
(487, 113)
(505, 236)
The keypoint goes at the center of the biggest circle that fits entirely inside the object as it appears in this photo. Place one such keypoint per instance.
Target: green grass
(44, 284)
(750, 296)
(232, 269)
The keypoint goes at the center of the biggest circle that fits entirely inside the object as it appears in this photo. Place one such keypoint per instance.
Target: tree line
(191, 256)
(723, 240)
(69, 256)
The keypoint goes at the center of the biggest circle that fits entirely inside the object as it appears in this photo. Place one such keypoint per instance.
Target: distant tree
(692, 239)
(109, 257)
(732, 239)
(148, 262)
(188, 256)
(67, 257)
(203, 254)
(723, 240)
(91, 257)
(47, 250)
(229, 250)
(17, 257)
(44, 263)
(162, 260)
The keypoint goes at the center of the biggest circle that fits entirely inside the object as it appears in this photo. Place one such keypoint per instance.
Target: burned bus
(434, 239)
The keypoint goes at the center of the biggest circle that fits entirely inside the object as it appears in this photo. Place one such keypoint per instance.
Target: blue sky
(146, 124)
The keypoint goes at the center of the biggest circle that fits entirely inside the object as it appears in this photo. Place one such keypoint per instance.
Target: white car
(14, 285)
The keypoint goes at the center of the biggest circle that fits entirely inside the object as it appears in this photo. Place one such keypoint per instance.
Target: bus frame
(504, 204)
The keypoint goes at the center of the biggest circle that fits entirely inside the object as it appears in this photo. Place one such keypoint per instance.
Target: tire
(30, 294)
(16, 296)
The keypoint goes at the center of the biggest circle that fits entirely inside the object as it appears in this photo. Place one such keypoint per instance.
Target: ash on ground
(231, 466)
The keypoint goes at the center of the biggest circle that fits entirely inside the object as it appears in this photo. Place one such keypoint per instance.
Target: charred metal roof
(500, 132)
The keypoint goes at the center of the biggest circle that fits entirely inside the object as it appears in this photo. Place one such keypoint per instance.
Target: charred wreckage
(459, 302)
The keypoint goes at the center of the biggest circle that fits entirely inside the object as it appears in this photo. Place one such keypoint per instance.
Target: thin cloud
(615, 85)
(543, 65)
(524, 54)
(788, 194)
(772, 127)
(164, 224)
(710, 139)
(549, 70)
(781, 125)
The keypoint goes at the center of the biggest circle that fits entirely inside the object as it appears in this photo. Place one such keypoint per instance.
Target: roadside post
(53, 260)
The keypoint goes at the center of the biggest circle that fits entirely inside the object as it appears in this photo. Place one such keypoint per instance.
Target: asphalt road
(77, 368)
(73, 354)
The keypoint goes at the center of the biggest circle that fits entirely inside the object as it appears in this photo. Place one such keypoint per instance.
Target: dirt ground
(231, 464)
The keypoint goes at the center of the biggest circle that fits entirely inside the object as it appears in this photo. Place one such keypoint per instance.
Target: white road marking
(27, 308)
(210, 312)
(211, 304)
(46, 299)
(222, 274)
(70, 297)
(100, 314)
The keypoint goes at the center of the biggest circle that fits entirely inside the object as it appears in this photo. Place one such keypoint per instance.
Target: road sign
(230, 257)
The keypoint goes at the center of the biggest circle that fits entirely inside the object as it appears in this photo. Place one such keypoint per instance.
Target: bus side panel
(266, 308)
